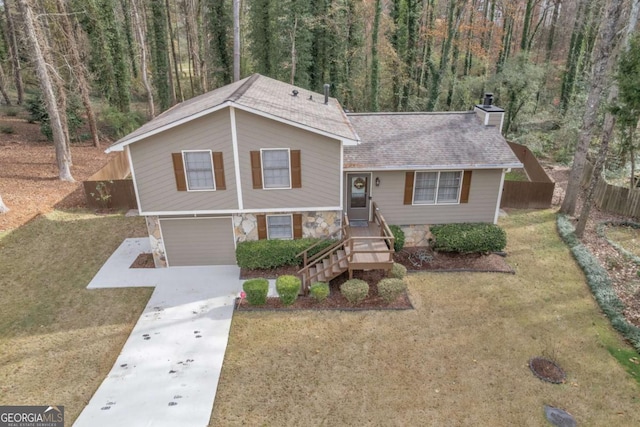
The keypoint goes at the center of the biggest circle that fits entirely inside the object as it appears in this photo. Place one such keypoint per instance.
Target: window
(275, 168)
(198, 168)
(279, 227)
(436, 187)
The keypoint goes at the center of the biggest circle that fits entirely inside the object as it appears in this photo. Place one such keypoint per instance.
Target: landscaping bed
(335, 300)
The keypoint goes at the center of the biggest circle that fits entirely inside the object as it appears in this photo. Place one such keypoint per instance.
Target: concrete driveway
(168, 371)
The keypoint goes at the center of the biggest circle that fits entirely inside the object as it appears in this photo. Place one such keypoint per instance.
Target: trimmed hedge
(399, 237)
(266, 254)
(354, 290)
(390, 289)
(256, 290)
(468, 238)
(600, 283)
(398, 271)
(319, 291)
(288, 288)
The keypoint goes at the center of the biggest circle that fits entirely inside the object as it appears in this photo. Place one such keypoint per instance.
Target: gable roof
(427, 141)
(260, 95)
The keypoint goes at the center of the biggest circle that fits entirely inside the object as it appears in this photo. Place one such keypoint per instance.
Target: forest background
(117, 63)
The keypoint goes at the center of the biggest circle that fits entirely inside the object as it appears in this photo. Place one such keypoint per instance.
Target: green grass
(516, 175)
(58, 340)
(459, 358)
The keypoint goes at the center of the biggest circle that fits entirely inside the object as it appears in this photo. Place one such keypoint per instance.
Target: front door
(358, 187)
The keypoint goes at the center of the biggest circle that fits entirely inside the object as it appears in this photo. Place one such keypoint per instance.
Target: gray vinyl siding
(495, 119)
(483, 198)
(198, 241)
(320, 161)
(153, 166)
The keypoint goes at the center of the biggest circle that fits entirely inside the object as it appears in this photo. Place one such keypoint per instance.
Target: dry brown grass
(59, 340)
(460, 358)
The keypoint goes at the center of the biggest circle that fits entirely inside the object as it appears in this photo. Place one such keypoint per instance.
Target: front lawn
(58, 340)
(459, 358)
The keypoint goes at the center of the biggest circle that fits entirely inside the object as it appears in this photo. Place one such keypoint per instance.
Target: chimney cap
(488, 99)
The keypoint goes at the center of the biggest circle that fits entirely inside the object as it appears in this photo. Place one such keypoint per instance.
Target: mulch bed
(547, 370)
(336, 301)
(415, 259)
(143, 261)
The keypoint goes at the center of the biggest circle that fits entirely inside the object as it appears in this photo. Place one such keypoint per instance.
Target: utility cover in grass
(559, 417)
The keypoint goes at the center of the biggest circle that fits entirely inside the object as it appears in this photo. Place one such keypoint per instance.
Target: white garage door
(198, 241)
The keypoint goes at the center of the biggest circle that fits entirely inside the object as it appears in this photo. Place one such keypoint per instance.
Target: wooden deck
(357, 248)
(369, 248)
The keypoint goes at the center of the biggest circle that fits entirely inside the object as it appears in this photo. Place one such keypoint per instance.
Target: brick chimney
(489, 114)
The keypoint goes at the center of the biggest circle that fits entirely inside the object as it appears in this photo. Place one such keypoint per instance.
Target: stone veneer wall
(416, 235)
(314, 224)
(155, 238)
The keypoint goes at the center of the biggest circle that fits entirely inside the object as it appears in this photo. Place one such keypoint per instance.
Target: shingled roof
(259, 94)
(426, 141)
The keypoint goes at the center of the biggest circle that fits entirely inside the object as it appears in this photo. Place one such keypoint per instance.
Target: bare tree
(236, 40)
(13, 49)
(3, 207)
(60, 138)
(602, 61)
(142, 42)
(5, 95)
(78, 70)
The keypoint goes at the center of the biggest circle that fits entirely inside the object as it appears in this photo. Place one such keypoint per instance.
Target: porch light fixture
(377, 181)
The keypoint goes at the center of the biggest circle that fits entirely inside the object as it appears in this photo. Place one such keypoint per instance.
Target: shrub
(354, 290)
(288, 288)
(256, 290)
(118, 124)
(390, 289)
(275, 253)
(11, 112)
(468, 238)
(7, 130)
(398, 271)
(600, 283)
(319, 291)
(398, 234)
(38, 113)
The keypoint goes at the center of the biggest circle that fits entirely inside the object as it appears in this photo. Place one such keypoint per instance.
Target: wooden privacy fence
(613, 198)
(110, 188)
(534, 194)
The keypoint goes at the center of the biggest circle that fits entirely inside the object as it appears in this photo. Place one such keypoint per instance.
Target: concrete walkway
(168, 371)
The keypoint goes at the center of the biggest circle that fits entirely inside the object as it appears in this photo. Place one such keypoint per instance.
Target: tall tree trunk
(375, 61)
(552, 29)
(47, 90)
(602, 62)
(15, 52)
(172, 42)
(607, 133)
(5, 95)
(142, 42)
(125, 4)
(236, 40)
(78, 70)
(189, 9)
(3, 207)
(454, 14)
(528, 15)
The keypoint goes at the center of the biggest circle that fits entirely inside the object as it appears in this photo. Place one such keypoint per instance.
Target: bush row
(599, 282)
(276, 253)
(354, 290)
(468, 238)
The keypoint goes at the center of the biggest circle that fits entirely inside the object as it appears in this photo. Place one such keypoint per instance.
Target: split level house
(262, 159)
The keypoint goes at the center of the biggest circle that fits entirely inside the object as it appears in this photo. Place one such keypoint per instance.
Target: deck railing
(363, 252)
